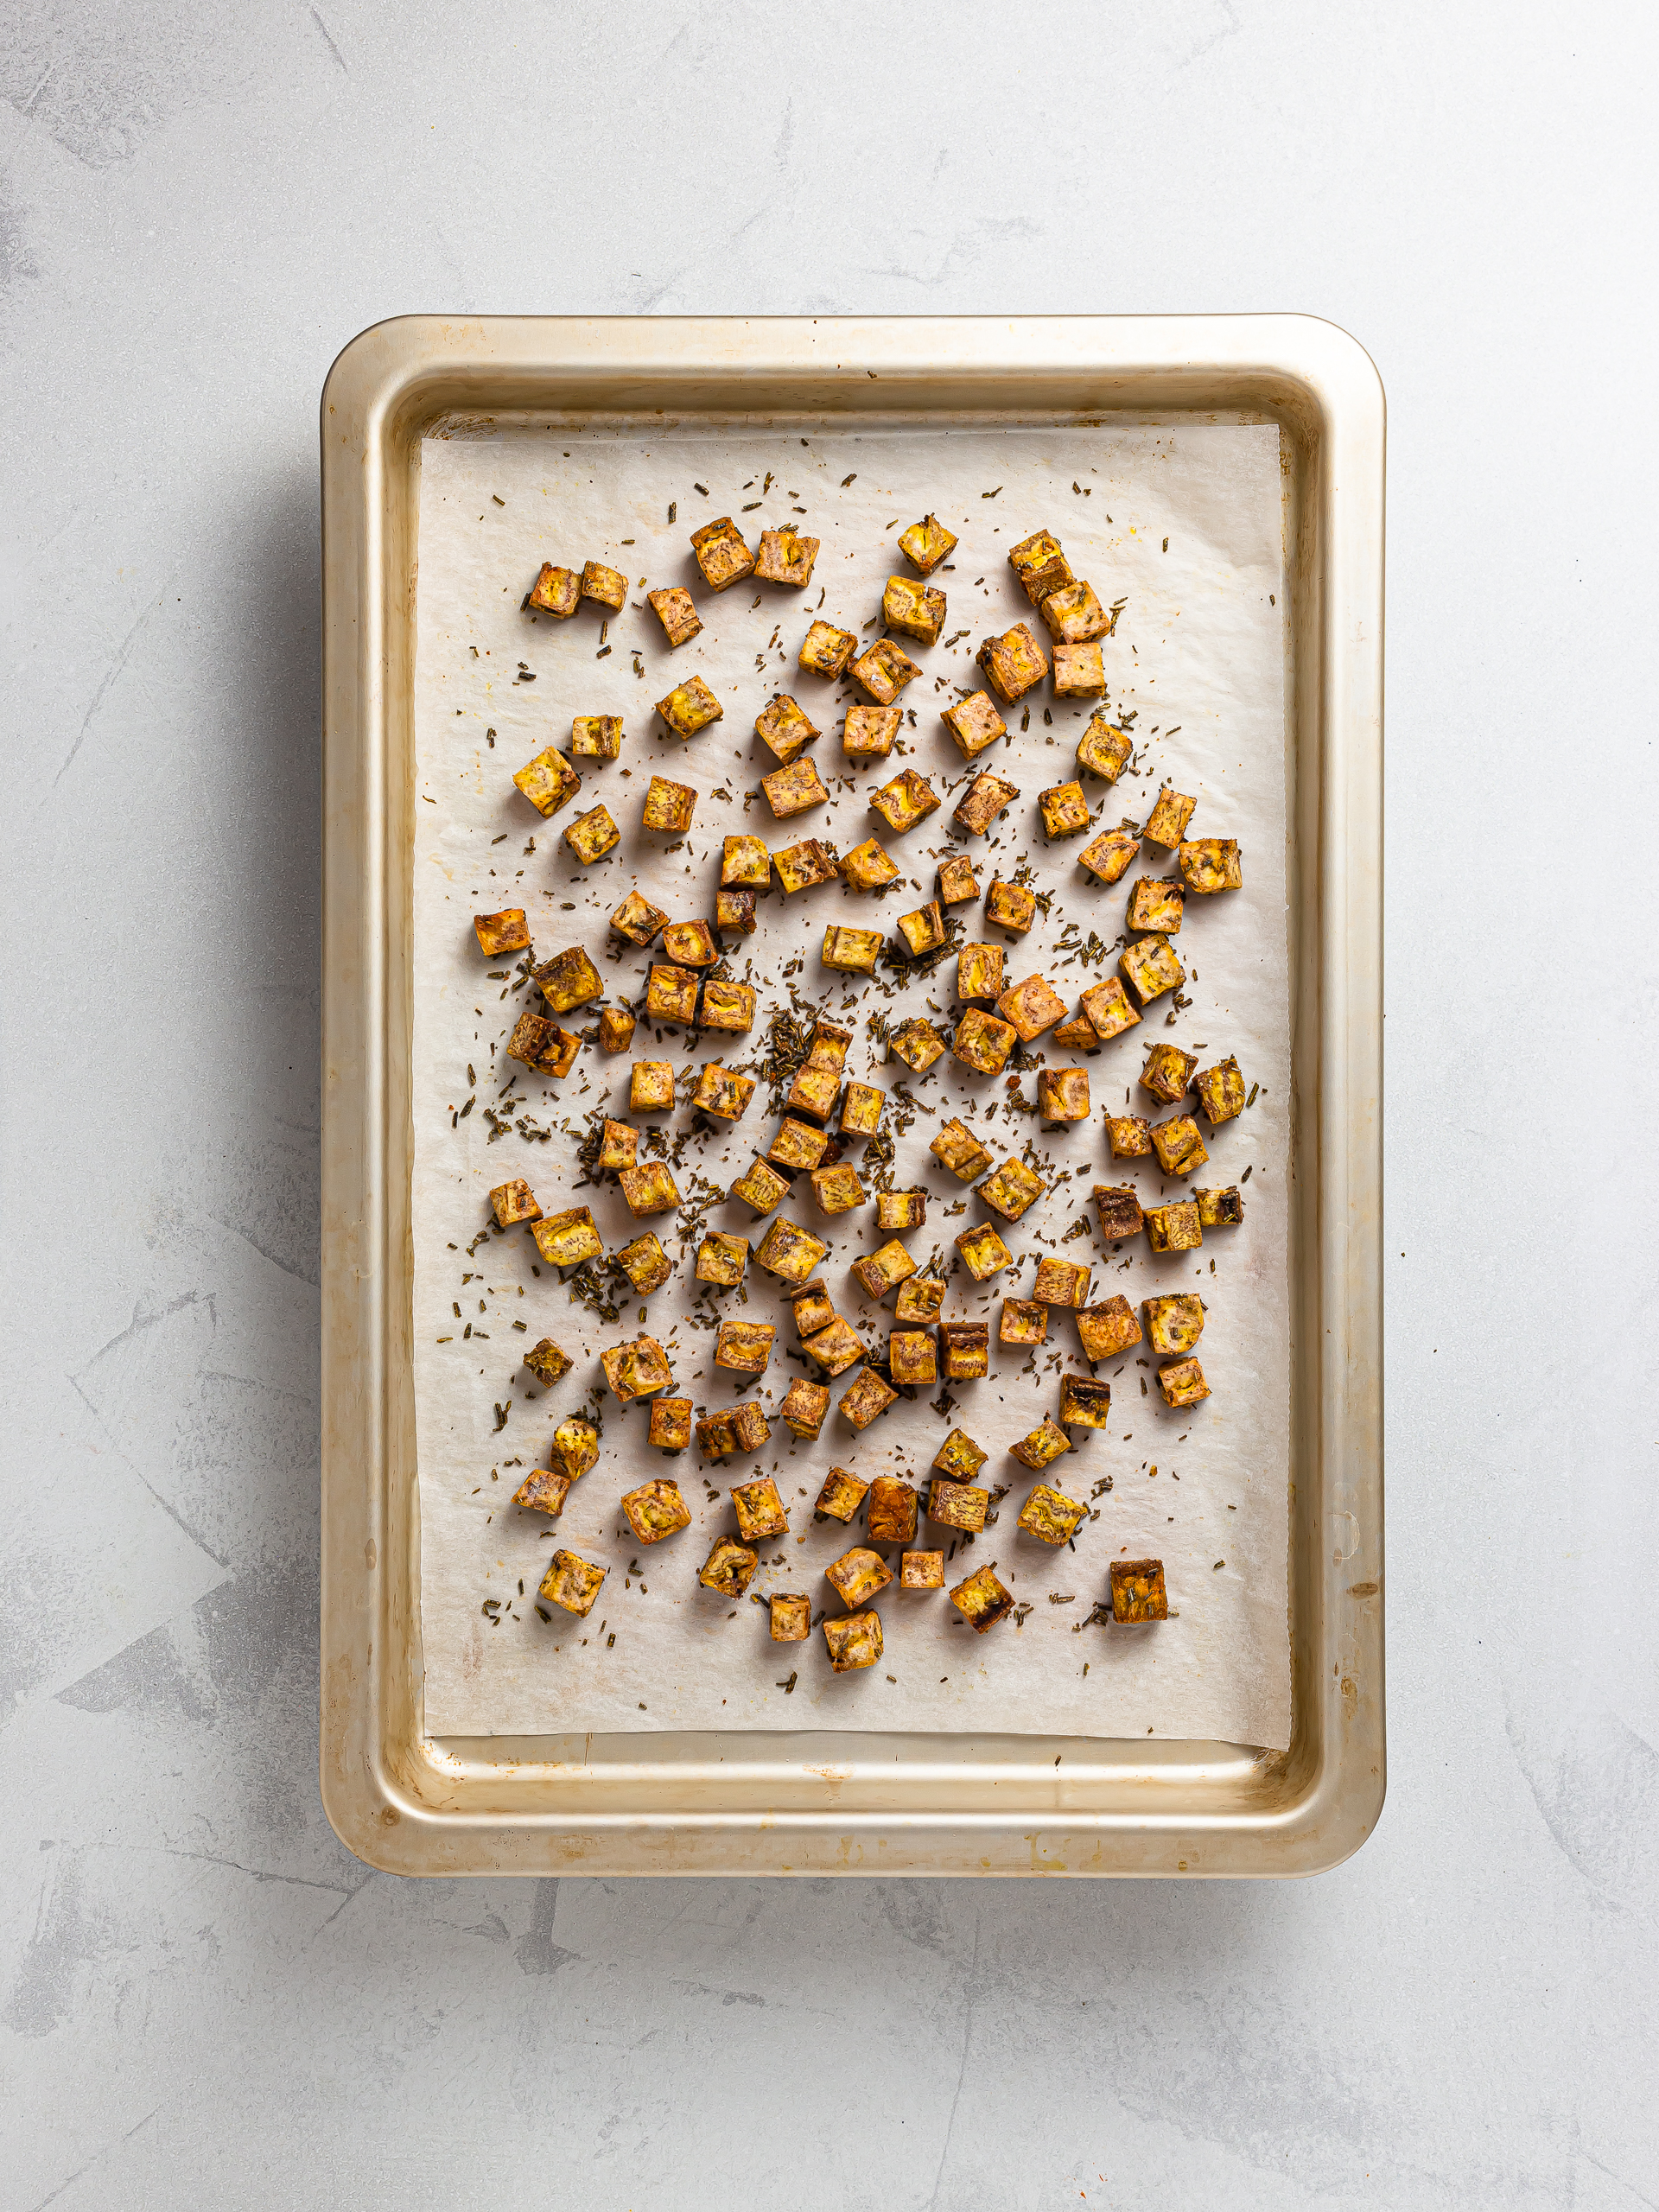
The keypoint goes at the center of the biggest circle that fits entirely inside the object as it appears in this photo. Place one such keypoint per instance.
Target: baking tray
(831, 1801)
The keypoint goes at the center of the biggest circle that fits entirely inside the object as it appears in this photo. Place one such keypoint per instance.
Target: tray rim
(408, 1803)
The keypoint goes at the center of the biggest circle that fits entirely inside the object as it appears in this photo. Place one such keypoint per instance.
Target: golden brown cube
(619, 1148)
(790, 1252)
(762, 1189)
(837, 1189)
(543, 1492)
(919, 1299)
(981, 1600)
(890, 1511)
(739, 1429)
(984, 799)
(829, 1046)
(1155, 904)
(548, 781)
(825, 650)
(1024, 1322)
(1044, 1444)
(1110, 855)
(853, 952)
(804, 1407)
(785, 729)
(814, 1092)
(1079, 1035)
(1072, 615)
(960, 1151)
(854, 1641)
(616, 1027)
(1079, 672)
(1150, 968)
(735, 910)
(1210, 864)
(1220, 1209)
(1138, 1593)
(689, 945)
(957, 1505)
(670, 993)
(957, 882)
(1062, 1093)
(644, 1263)
(921, 1570)
(862, 1108)
(984, 1253)
(1129, 1136)
(1040, 565)
(514, 1202)
(869, 731)
(729, 1568)
(1174, 1324)
(668, 807)
(721, 554)
(790, 1615)
(572, 1583)
(1103, 749)
(959, 1457)
(605, 587)
(1012, 663)
(651, 1087)
(671, 1424)
(798, 1146)
(1167, 823)
(857, 1575)
(786, 557)
(916, 609)
(744, 1347)
(568, 981)
(556, 592)
(979, 972)
(974, 724)
(917, 1043)
(1012, 1191)
(1168, 1072)
(906, 801)
(656, 1509)
(547, 1362)
(1183, 1383)
(596, 737)
(574, 1447)
(966, 1346)
(649, 1190)
(983, 1042)
(867, 866)
(1221, 1091)
(1051, 1516)
(689, 707)
(722, 1260)
(1084, 1403)
(841, 1494)
(802, 867)
(1065, 810)
(1010, 907)
(865, 1397)
(1060, 1282)
(1171, 1229)
(794, 790)
(676, 611)
(912, 1360)
(900, 1209)
(727, 1006)
(809, 1302)
(638, 920)
(1178, 1145)
(508, 931)
(883, 670)
(1031, 1007)
(925, 544)
(744, 864)
(565, 1240)
(759, 1510)
(1107, 1329)
(890, 1264)
(543, 1046)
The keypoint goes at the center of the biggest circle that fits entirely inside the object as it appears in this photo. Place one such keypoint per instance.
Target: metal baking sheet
(915, 1801)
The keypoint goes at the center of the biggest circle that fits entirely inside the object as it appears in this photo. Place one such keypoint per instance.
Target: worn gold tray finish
(815, 1802)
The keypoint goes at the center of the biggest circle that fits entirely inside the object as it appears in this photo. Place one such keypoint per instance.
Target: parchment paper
(1184, 522)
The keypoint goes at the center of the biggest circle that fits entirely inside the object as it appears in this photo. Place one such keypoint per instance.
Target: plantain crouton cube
(1110, 855)
(689, 707)
(785, 730)
(1084, 1403)
(596, 737)
(593, 835)
(1040, 565)
(829, 1046)
(790, 1615)
(920, 1299)
(1061, 1283)
(1221, 1091)
(759, 1510)
(853, 1641)
(619, 1146)
(883, 670)
(1010, 907)
(656, 1509)
(1106, 1329)
(513, 1202)
(762, 1189)
(671, 1424)
(676, 612)
(960, 1151)
(1072, 615)
(555, 591)
(744, 1347)
(1167, 823)
(1012, 663)
(857, 1575)
(957, 1505)
(804, 1407)
(1155, 904)
(1210, 864)
(979, 972)
(616, 1026)
(722, 1260)
(841, 1494)
(890, 1511)
(813, 1092)
(958, 1458)
(809, 1302)
(786, 557)
(912, 1359)
(1050, 1515)
(853, 952)
(565, 1240)
(906, 801)
(1065, 810)
(547, 1362)
(728, 1006)
(966, 1346)
(575, 1448)
(925, 544)
(568, 981)
(916, 609)
(798, 1146)
(605, 587)
(868, 733)
(1118, 1209)
(981, 1600)
(1012, 1191)
(1024, 1322)
(1079, 672)
(1128, 1136)
(1168, 1072)
(982, 1041)
(802, 867)
(825, 650)
(722, 555)
(1150, 968)
(508, 931)
(984, 1253)
(572, 1583)
(543, 1492)
(735, 910)
(644, 1263)
(1138, 1592)
(744, 864)
(1173, 1324)
(837, 1189)
(649, 1190)
(924, 931)
(548, 781)
(1031, 1007)
(867, 866)
(1220, 1209)
(900, 1209)
(1182, 1383)
(1171, 1229)
(638, 920)
(794, 790)
(974, 723)
(889, 1265)
(921, 1570)
(1178, 1145)
(790, 1252)
(1062, 1093)
(956, 880)
(984, 799)
(729, 1568)
(669, 807)
(917, 1043)
(865, 1397)
(670, 993)
(739, 1429)
(1103, 749)
(1044, 1444)
(651, 1087)
(1079, 1035)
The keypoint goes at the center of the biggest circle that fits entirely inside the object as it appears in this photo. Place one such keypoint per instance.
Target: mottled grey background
(203, 1998)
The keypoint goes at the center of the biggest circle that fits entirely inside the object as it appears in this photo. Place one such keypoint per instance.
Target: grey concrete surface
(203, 1999)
